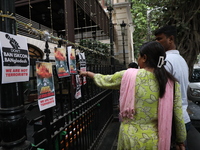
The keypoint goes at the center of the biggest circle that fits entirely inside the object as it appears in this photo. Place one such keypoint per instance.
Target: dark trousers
(173, 137)
(187, 126)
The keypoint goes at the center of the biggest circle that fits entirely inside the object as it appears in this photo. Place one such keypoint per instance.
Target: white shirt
(177, 66)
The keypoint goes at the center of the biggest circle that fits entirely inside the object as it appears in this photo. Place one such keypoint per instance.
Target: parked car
(194, 86)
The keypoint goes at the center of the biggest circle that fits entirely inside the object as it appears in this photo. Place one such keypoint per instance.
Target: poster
(61, 62)
(45, 85)
(78, 87)
(71, 60)
(14, 57)
(82, 61)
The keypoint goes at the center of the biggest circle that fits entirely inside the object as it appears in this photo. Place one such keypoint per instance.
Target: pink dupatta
(165, 108)
(127, 93)
(165, 112)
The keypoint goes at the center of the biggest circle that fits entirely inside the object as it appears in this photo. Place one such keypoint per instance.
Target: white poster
(82, 61)
(14, 57)
(78, 87)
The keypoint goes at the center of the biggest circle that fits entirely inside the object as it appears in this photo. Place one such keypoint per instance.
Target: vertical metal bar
(123, 50)
(12, 113)
(87, 129)
(69, 20)
(48, 112)
(47, 51)
(79, 134)
(110, 9)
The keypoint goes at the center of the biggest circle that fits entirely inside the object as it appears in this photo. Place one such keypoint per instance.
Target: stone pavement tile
(114, 146)
(109, 136)
(193, 139)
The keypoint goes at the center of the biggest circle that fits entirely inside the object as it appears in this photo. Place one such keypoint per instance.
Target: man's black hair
(133, 65)
(167, 30)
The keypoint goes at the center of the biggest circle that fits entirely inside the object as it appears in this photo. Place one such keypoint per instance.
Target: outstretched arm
(87, 74)
(105, 81)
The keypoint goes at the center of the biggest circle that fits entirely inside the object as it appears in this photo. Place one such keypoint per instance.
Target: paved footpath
(109, 140)
(193, 137)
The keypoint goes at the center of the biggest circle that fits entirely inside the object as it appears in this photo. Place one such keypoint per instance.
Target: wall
(122, 13)
(41, 45)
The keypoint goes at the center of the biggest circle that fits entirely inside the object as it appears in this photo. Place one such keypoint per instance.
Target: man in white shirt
(175, 64)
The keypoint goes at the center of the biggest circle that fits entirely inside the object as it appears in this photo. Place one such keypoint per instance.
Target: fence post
(110, 9)
(12, 113)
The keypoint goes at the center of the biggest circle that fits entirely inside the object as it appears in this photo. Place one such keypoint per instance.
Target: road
(193, 137)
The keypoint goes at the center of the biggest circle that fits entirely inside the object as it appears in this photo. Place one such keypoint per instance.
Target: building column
(69, 20)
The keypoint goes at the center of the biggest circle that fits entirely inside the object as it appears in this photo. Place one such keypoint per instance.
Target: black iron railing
(73, 124)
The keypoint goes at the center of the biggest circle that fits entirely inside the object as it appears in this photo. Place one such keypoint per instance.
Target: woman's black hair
(153, 50)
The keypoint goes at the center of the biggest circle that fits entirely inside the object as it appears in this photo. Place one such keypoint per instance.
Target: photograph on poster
(61, 62)
(45, 85)
(72, 60)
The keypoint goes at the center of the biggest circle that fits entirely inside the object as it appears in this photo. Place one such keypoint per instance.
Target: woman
(147, 101)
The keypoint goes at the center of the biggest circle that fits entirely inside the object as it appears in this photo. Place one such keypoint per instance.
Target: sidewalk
(194, 135)
(109, 139)
(193, 139)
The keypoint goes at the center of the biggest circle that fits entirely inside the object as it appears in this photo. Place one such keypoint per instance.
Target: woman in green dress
(149, 96)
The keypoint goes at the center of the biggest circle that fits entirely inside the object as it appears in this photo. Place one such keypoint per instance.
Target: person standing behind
(175, 64)
(133, 65)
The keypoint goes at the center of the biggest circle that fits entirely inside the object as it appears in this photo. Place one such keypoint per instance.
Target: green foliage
(96, 46)
(140, 23)
(144, 20)
(184, 14)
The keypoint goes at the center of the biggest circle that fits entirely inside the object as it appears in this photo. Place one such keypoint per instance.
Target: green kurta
(141, 133)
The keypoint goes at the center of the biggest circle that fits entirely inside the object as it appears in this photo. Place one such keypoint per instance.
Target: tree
(145, 21)
(140, 24)
(184, 14)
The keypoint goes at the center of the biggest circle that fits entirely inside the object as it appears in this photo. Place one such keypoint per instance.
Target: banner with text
(82, 61)
(45, 85)
(78, 87)
(14, 57)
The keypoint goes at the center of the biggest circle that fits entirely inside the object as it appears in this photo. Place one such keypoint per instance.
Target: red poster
(61, 62)
(45, 85)
(72, 60)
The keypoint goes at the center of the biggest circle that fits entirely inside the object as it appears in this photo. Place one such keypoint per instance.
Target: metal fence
(73, 124)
